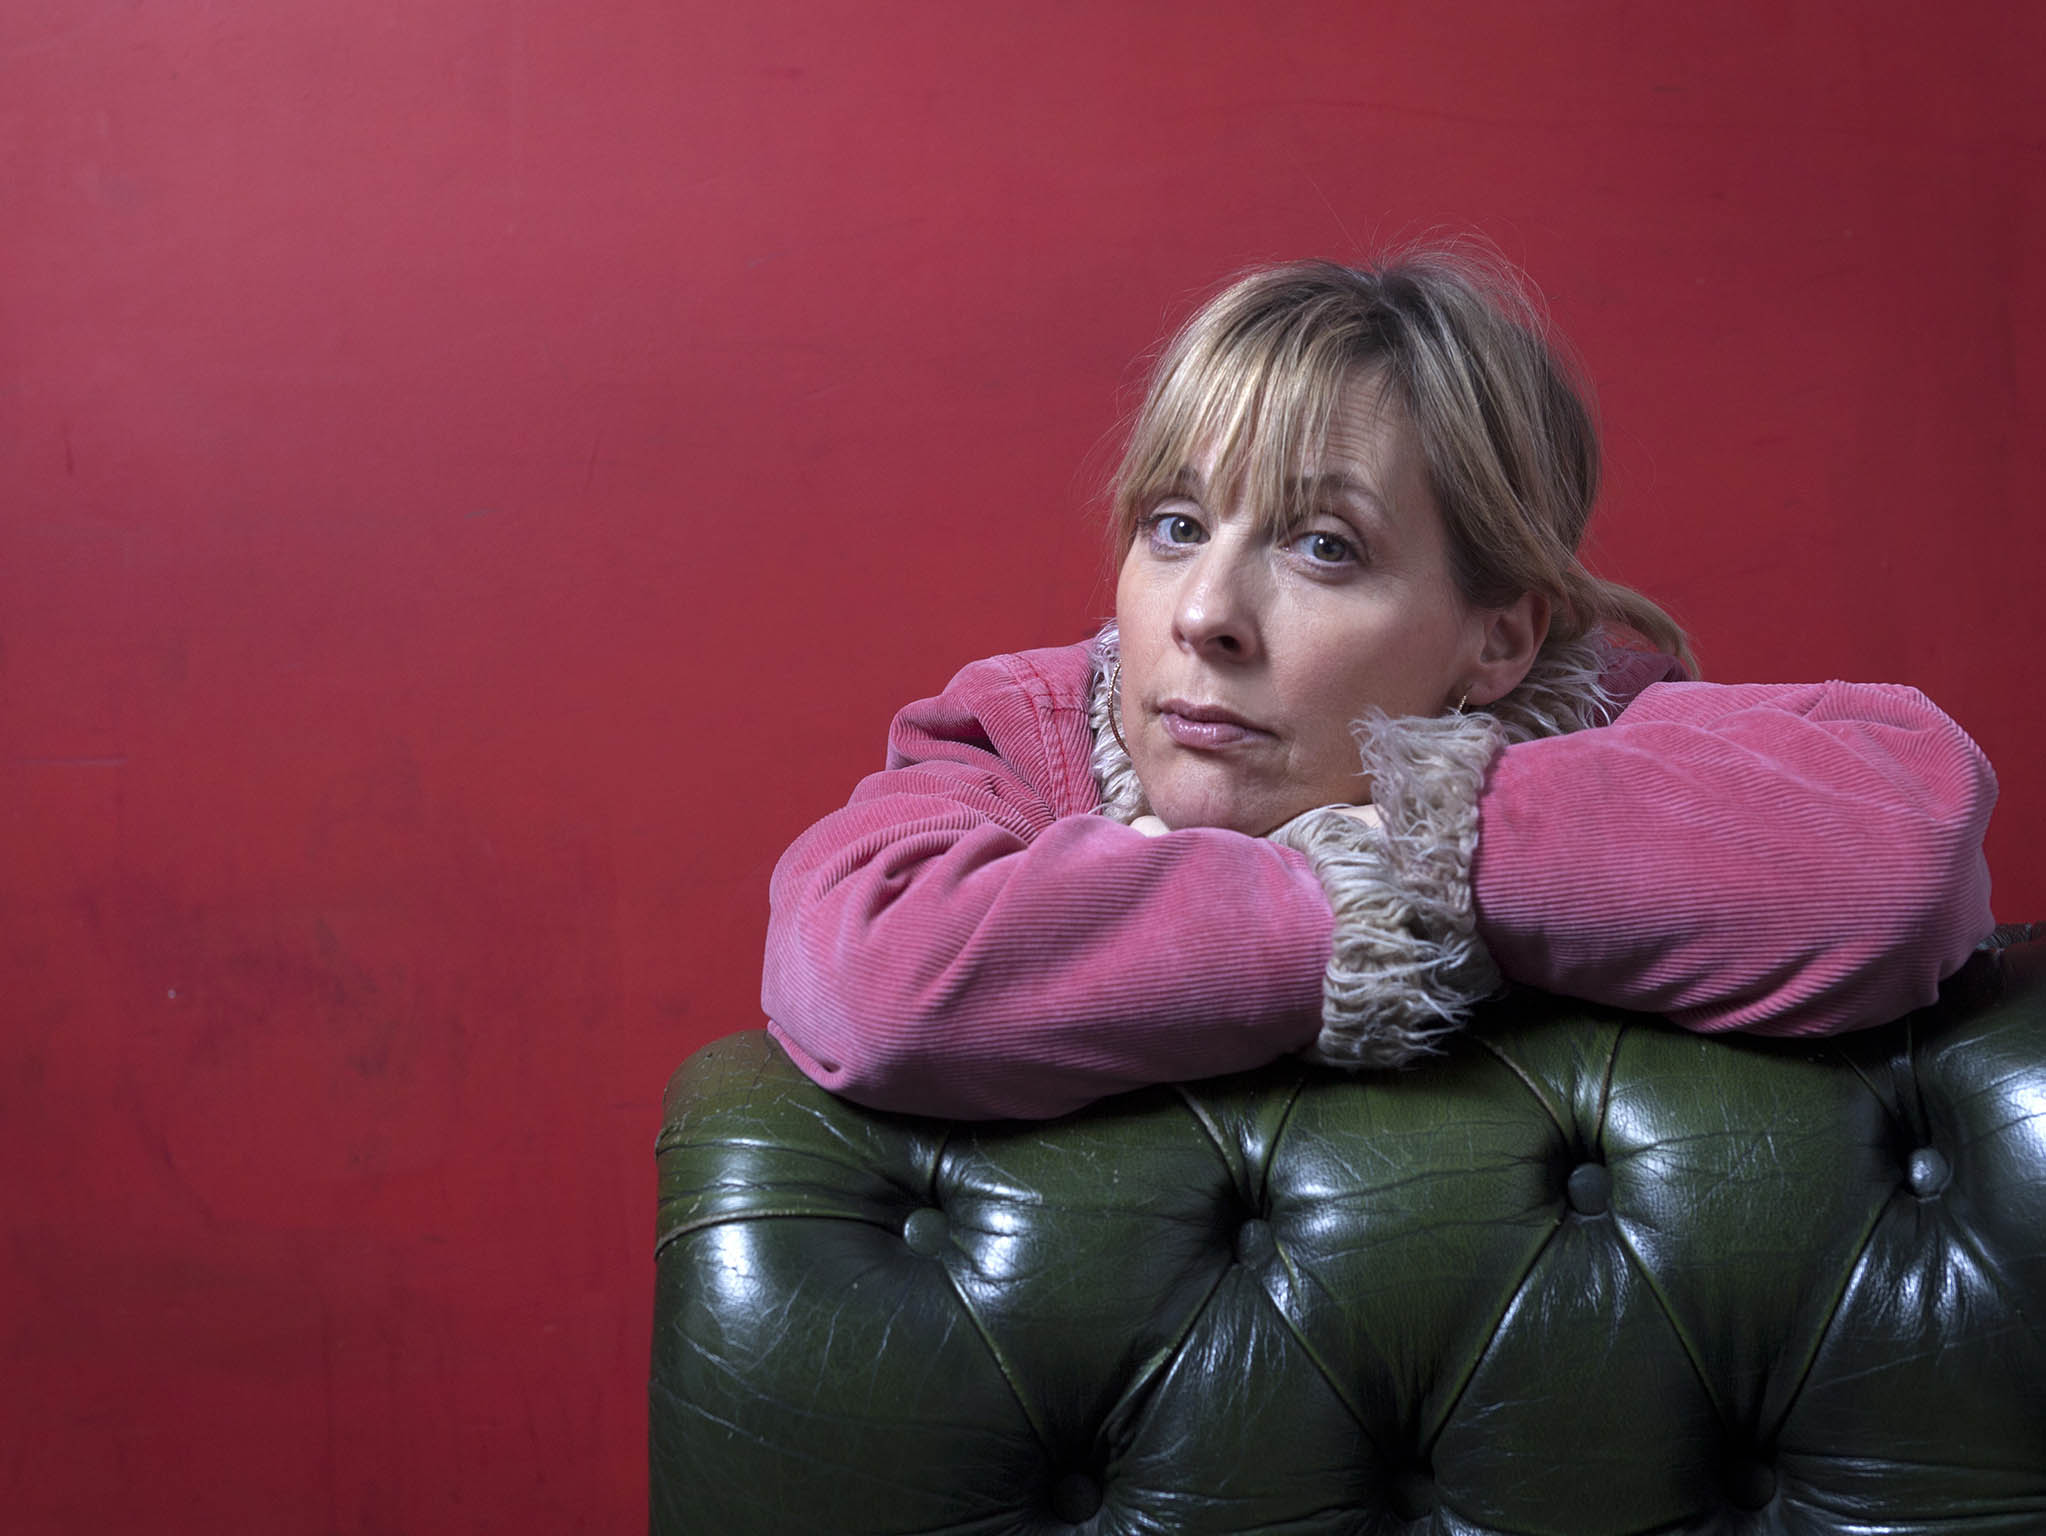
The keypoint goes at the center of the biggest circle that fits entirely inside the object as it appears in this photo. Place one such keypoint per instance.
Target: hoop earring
(1114, 702)
(1461, 702)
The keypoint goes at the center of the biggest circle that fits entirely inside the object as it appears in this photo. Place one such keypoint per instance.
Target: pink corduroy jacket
(968, 938)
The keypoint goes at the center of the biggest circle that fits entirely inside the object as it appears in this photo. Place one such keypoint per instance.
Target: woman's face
(1246, 656)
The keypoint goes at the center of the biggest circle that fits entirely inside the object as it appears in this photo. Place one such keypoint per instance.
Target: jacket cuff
(1407, 964)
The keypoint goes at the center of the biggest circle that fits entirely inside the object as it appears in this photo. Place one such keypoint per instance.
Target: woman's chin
(1251, 817)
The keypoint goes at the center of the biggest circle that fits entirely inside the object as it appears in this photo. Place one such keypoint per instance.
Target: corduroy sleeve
(1785, 859)
(964, 939)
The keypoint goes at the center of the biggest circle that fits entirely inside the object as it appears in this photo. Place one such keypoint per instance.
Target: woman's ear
(1511, 640)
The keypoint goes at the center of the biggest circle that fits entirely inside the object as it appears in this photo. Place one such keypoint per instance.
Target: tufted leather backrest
(1585, 1275)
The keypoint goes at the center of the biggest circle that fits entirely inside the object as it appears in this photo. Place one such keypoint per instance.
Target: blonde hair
(1511, 447)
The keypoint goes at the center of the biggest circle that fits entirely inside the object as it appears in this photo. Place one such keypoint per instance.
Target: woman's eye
(1325, 548)
(1173, 528)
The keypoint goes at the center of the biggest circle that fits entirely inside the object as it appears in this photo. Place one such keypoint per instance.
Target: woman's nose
(1217, 610)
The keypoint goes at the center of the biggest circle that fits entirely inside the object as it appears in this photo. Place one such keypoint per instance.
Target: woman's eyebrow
(1337, 484)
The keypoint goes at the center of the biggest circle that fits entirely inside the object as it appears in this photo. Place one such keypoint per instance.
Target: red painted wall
(478, 474)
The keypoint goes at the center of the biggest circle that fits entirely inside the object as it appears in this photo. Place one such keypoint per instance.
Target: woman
(1364, 739)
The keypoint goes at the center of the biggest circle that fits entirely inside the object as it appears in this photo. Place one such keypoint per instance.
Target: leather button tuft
(1075, 1497)
(1590, 1189)
(1413, 1494)
(1750, 1483)
(927, 1231)
(1254, 1241)
(1929, 1172)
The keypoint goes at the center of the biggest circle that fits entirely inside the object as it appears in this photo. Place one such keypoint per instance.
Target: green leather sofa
(1585, 1275)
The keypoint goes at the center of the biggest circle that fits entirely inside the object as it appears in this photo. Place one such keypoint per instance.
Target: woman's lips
(1206, 727)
